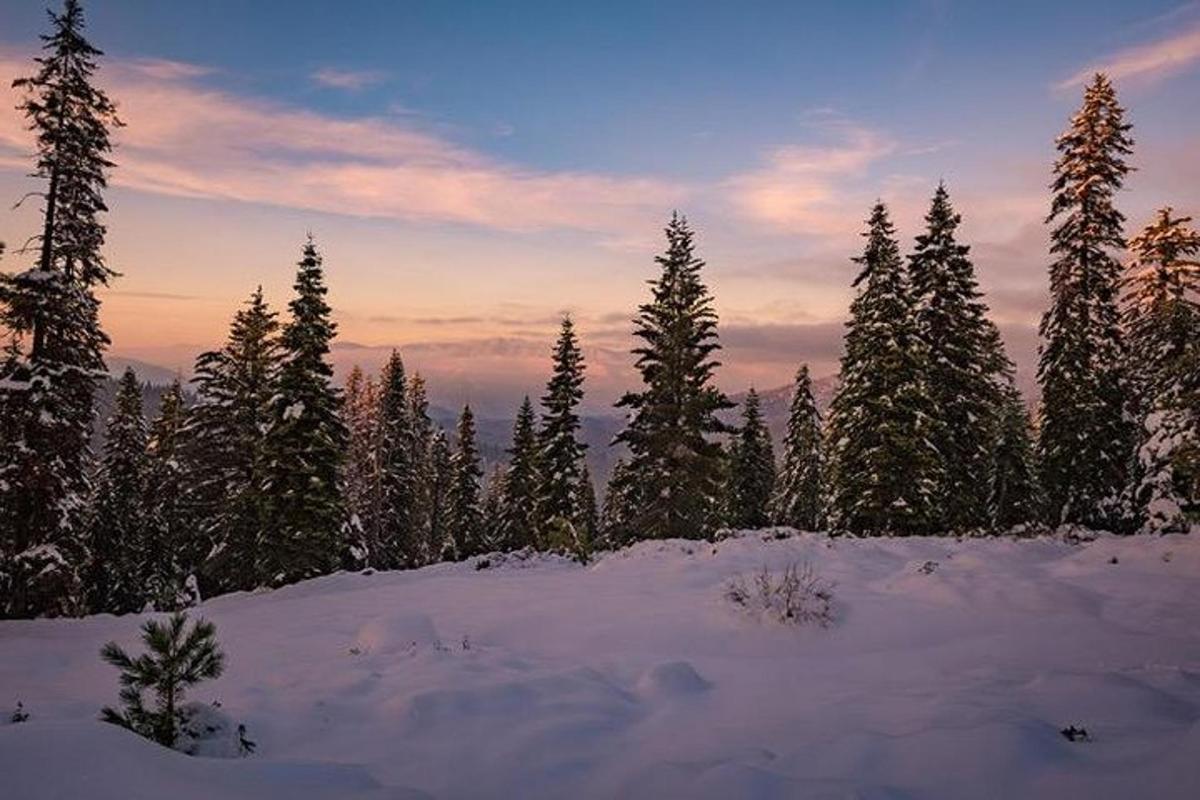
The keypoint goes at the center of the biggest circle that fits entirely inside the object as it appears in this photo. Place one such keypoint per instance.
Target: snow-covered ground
(635, 677)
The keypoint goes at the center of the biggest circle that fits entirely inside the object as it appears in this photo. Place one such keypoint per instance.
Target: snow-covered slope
(948, 674)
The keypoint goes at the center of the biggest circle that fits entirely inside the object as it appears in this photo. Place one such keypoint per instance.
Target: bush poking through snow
(178, 657)
(19, 714)
(796, 596)
(1075, 734)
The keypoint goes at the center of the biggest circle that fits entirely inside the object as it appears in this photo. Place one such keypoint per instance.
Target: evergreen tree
(421, 435)
(752, 469)
(621, 503)
(675, 461)
(883, 469)
(464, 516)
(493, 508)
(1162, 317)
(1014, 496)
(589, 511)
(1085, 442)
(117, 541)
(53, 360)
(224, 453)
(517, 527)
(442, 472)
(169, 586)
(798, 500)
(362, 471)
(177, 658)
(560, 451)
(398, 533)
(960, 363)
(305, 440)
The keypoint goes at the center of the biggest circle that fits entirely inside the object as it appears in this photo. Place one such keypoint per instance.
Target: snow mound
(628, 677)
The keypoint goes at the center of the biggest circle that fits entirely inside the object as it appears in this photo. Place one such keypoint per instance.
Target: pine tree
(421, 452)
(305, 440)
(361, 488)
(116, 574)
(560, 451)
(883, 468)
(1085, 442)
(441, 543)
(1014, 496)
(177, 658)
(224, 454)
(53, 360)
(675, 460)
(798, 500)
(493, 507)
(621, 503)
(957, 337)
(1162, 318)
(517, 527)
(169, 527)
(589, 511)
(398, 533)
(464, 516)
(752, 469)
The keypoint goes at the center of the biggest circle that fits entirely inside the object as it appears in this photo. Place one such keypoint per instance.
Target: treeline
(275, 475)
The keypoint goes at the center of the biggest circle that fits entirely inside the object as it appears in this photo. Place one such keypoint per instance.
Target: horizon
(471, 176)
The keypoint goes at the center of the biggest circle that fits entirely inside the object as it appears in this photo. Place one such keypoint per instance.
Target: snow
(948, 672)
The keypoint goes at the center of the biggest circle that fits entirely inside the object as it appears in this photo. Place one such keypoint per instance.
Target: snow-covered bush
(19, 714)
(797, 595)
(178, 657)
(206, 730)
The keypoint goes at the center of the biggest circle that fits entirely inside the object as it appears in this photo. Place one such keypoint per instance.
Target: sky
(473, 170)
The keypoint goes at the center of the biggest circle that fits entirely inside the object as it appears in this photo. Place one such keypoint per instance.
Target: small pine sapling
(178, 658)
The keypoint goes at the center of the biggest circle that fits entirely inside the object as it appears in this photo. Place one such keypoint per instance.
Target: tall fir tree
(305, 440)
(492, 509)
(884, 470)
(588, 523)
(117, 541)
(464, 514)
(561, 453)
(1085, 440)
(420, 448)
(224, 455)
(621, 503)
(361, 476)
(675, 460)
(752, 469)
(1014, 496)
(517, 527)
(798, 501)
(169, 527)
(53, 360)
(398, 531)
(1162, 318)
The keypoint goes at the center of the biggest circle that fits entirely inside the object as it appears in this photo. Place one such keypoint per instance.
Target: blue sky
(473, 169)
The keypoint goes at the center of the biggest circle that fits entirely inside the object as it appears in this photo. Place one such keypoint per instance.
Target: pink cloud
(1149, 62)
(186, 139)
(348, 79)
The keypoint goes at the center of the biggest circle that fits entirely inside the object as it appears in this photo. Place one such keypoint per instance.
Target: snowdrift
(949, 672)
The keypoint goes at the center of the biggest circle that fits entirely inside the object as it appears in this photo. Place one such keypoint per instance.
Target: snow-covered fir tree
(398, 535)
(588, 519)
(798, 500)
(169, 527)
(117, 542)
(492, 508)
(1084, 439)
(560, 453)
(421, 453)
(675, 460)
(517, 527)
(361, 470)
(53, 359)
(464, 513)
(305, 440)
(960, 366)
(440, 544)
(620, 504)
(1162, 319)
(752, 469)
(224, 451)
(883, 468)
(1014, 497)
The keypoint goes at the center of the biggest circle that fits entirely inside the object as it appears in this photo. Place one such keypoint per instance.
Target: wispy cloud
(1148, 62)
(348, 79)
(802, 188)
(187, 139)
